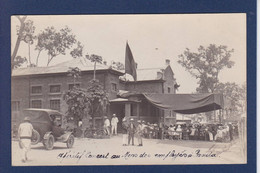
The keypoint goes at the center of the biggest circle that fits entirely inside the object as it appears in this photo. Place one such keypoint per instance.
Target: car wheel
(35, 137)
(70, 141)
(49, 142)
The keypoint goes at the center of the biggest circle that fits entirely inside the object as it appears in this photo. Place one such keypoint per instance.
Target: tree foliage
(117, 65)
(91, 101)
(206, 64)
(55, 42)
(77, 52)
(18, 41)
(50, 40)
(18, 61)
(98, 99)
(75, 73)
(77, 100)
(96, 59)
(27, 35)
(235, 94)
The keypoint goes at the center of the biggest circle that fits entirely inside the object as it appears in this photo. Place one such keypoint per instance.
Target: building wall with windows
(20, 95)
(46, 91)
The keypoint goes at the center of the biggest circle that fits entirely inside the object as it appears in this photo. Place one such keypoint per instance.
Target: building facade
(43, 87)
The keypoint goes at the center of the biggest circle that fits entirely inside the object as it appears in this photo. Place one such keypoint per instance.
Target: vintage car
(48, 127)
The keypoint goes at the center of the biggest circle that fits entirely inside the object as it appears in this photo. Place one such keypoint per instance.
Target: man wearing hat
(139, 132)
(25, 131)
(114, 122)
(131, 131)
(107, 125)
(124, 131)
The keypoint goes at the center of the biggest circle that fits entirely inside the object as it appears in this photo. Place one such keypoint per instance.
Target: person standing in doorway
(114, 122)
(131, 131)
(25, 132)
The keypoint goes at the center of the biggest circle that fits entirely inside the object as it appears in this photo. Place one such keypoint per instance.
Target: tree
(206, 65)
(117, 65)
(18, 40)
(96, 59)
(50, 40)
(27, 35)
(55, 42)
(98, 99)
(77, 100)
(235, 94)
(92, 101)
(18, 61)
(75, 73)
(77, 52)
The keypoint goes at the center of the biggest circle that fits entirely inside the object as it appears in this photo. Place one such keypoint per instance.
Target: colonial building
(43, 87)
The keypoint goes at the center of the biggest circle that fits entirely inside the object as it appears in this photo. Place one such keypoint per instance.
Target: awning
(186, 103)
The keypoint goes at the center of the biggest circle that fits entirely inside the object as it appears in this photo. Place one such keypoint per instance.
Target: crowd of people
(141, 129)
(206, 132)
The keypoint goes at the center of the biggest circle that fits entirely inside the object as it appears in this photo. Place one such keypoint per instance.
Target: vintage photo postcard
(155, 89)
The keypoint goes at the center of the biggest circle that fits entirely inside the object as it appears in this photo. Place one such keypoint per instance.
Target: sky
(152, 39)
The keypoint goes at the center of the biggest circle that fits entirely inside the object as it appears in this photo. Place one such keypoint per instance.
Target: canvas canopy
(186, 103)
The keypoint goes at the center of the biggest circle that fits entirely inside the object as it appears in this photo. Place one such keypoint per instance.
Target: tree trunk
(95, 70)
(38, 57)
(29, 55)
(18, 41)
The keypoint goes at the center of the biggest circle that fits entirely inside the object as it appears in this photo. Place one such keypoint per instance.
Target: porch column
(127, 110)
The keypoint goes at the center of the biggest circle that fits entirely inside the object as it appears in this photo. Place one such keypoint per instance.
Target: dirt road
(111, 152)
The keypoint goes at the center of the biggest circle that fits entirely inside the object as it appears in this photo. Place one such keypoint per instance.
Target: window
(55, 104)
(36, 90)
(36, 104)
(15, 105)
(55, 89)
(169, 90)
(114, 87)
(77, 85)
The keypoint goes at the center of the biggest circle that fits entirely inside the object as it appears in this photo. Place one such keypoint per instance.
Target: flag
(130, 66)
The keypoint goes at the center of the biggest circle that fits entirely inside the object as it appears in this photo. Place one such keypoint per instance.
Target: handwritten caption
(78, 155)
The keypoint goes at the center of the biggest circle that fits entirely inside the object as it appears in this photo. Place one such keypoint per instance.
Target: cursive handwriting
(173, 154)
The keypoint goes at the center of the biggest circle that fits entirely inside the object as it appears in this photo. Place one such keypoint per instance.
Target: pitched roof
(145, 74)
(148, 74)
(82, 64)
(85, 65)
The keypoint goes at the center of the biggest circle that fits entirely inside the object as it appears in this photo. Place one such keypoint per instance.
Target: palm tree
(75, 73)
(96, 59)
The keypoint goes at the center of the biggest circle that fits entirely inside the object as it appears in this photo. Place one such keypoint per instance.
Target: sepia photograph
(136, 89)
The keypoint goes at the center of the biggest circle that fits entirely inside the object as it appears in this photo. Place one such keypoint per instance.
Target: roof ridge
(151, 68)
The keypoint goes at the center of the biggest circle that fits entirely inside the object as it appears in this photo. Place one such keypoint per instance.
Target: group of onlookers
(131, 129)
(152, 131)
(140, 129)
(205, 132)
(112, 124)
